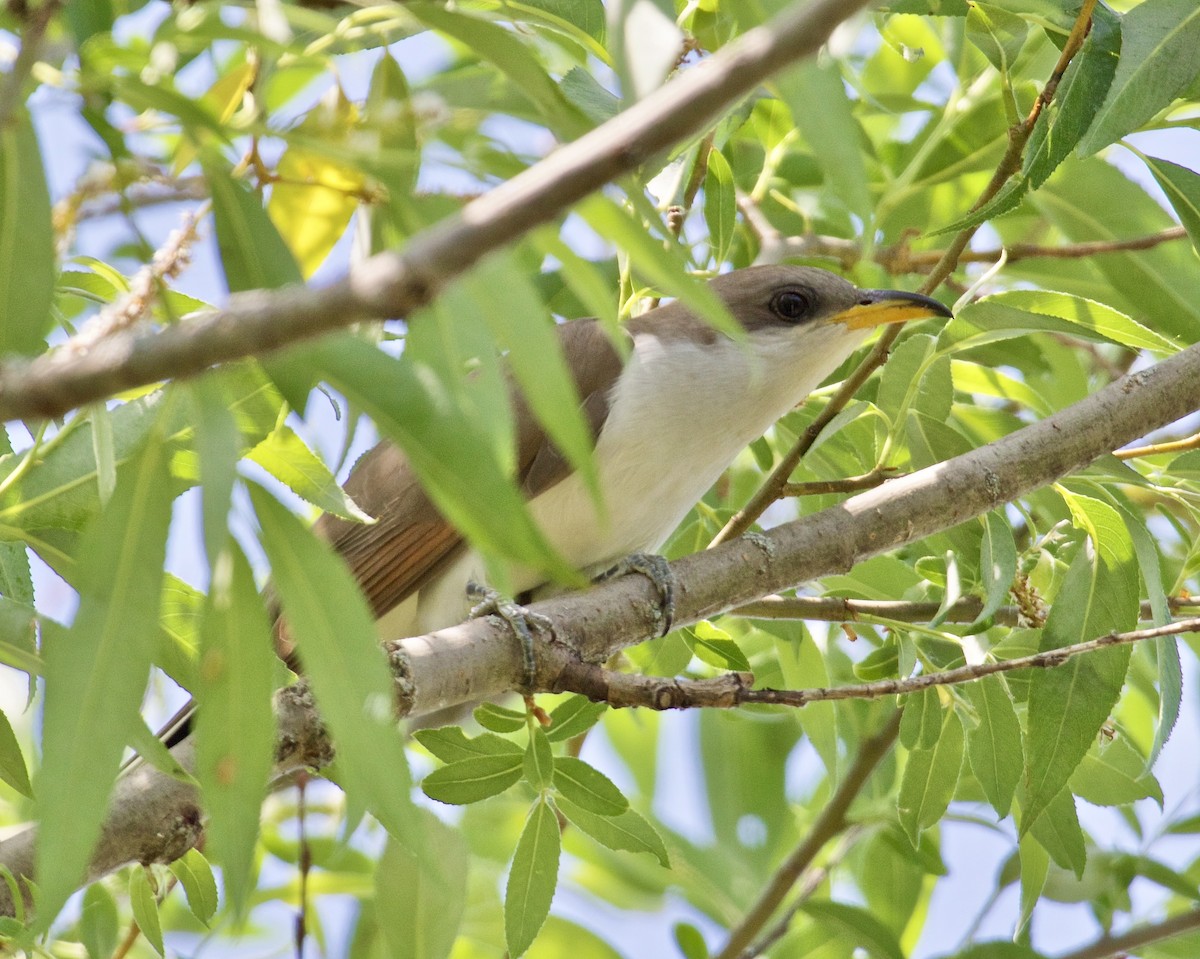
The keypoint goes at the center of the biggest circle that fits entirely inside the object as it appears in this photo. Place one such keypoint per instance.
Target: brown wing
(411, 542)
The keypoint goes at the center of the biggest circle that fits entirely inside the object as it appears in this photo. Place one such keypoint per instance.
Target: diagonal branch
(394, 284)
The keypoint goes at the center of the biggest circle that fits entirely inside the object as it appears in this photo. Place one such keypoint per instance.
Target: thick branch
(393, 284)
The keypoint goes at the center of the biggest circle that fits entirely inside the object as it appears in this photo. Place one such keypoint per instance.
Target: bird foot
(520, 620)
(656, 569)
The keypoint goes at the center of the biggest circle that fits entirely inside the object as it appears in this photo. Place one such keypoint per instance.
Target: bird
(668, 416)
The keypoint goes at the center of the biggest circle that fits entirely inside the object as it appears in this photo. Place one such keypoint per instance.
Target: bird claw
(656, 569)
(520, 620)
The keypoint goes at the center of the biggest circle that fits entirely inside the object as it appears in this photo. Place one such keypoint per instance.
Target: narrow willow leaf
(586, 786)
(715, 646)
(532, 879)
(1159, 39)
(287, 457)
(99, 922)
(998, 34)
(424, 896)
(470, 489)
(510, 55)
(235, 724)
(855, 926)
(994, 743)
(1182, 187)
(930, 778)
(1068, 704)
(145, 909)
(335, 633)
(1035, 866)
(539, 760)
(997, 566)
(720, 205)
(572, 717)
(27, 258)
(499, 719)
(644, 42)
(832, 132)
(921, 724)
(1079, 96)
(1007, 200)
(450, 744)
(588, 96)
(196, 876)
(12, 762)
(1113, 773)
(390, 116)
(472, 780)
(998, 950)
(523, 328)
(665, 267)
(690, 941)
(218, 448)
(629, 831)
(96, 672)
(1058, 831)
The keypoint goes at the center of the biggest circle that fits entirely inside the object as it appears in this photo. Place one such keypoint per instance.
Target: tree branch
(31, 44)
(394, 284)
(1112, 947)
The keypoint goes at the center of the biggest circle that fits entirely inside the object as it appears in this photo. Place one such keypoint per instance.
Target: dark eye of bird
(791, 304)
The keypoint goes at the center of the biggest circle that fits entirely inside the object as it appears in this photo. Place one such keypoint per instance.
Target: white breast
(679, 415)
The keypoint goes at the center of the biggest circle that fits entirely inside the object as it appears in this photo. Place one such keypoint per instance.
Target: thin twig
(836, 609)
(829, 824)
(31, 44)
(1169, 446)
(851, 484)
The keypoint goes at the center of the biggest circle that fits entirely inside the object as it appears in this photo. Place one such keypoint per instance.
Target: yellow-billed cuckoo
(667, 422)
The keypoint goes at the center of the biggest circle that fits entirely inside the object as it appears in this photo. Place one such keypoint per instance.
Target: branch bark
(394, 284)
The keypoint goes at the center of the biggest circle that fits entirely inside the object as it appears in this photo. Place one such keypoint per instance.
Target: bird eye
(791, 304)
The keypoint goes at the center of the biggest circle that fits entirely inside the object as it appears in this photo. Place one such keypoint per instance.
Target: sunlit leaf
(532, 879)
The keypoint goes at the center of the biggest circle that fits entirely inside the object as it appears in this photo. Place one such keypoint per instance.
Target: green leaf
(1058, 831)
(1068, 704)
(1182, 187)
(1017, 312)
(586, 93)
(499, 719)
(196, 876)
(1035, 866)
(96, 672)
(997, 566)
(629, 831)
(720, 205)
(335, 634)
(145, 909)
(716, 647)
(998, 950)
(587, 787)
(471, 780)
(287, 457)
(1113, 773)
(690, 941)
(1082, 90)
(663, 266)
(27, 257)
(253, 254)
(523, 327)
(856, 926)
(218, 448)
(12, 762)
(1159, 39)
(532, 879)
(99, 922)
(235, 724)
(994, 742)
(832, 132)
(421, 900)
(539, 760)
(450, 744)
(572, 717)
(930, 778)
(921, 724)
(469, 488)
(504, 49)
